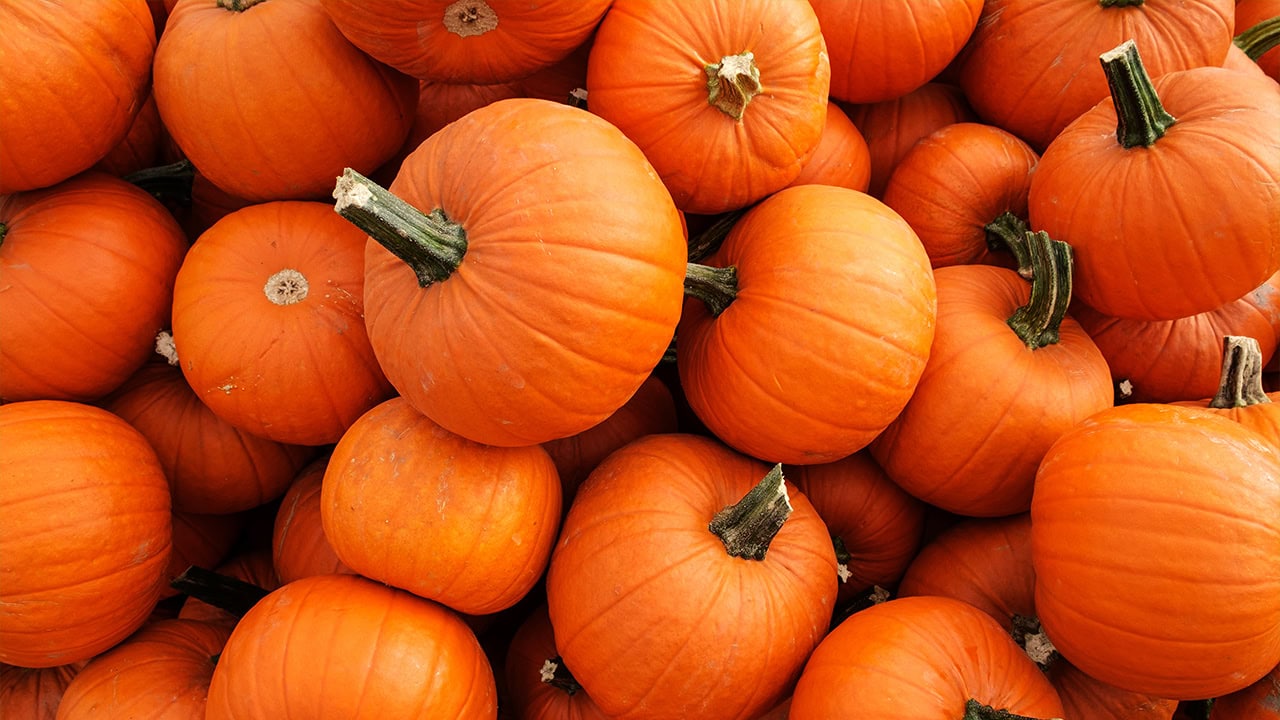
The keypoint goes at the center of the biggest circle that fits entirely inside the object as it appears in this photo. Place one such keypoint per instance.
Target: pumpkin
(955, 186)
(1259, 701)
(1141, 510)
(214, 468)
(251, 127)
(410, 504)
(841, 157)
(688, 581)
(34, 693)
(269, 328)
(538, 683)
(922, 658)
(1084, 698)
(301, 650)
(908, 44)
(805, 333)
(299, 547)
(88, 269)
(160, 672)
(1034, 371)
(1029, 67)
(744, 82)
(75, 75)
(1256, 28)
(86, 531)
(556, 282)
(1240, 395)
(142, 148)
(1153, 239)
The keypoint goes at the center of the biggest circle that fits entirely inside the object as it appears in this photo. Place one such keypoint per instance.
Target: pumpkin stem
(715, 286)
(4, 230)
(974, 710)
(1009, 232)
(1196, 709)
(468, 18)
(1141, 119)
(748, 526)
(221, 591)
(554, 673)
(710, 239)
(430, 243)
(842, 559)
(1241, 382)
(166, 347)
(237, 5)
(166, 181)
(287, 287)
(1029, 635)
(1120, 3)
(1259, 39)
(732, 82)
(1038, 321)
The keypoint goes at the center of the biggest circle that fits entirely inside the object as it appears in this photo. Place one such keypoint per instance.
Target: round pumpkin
(841, 157)
(85, 529)
(301, 650)
(299, 547)
(538, 683)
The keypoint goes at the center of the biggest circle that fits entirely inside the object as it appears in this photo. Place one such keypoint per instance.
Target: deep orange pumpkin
(268, 324)
(564, 282)
(299, 547)
(725, 97)
(538, 683)
(84, 529)
(227, 83)
(656, 614)
(88, 269)
(841, 157)
(74, 76)
(34, 693)
(1138, 513)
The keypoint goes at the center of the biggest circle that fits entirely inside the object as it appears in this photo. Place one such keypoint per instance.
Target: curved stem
(429, 243)
(1009, 232)
(1241, 381)
(1038, 321)
(974, 710)
(221, 591)
(748, 526)
(710, 239)
(732, 82)
(715, 286)
(1259, 39)
(554, 673)
(166, 181)
(1141, 119)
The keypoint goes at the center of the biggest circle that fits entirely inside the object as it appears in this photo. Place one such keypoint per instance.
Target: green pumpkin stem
(748, 526)
(732, 82)
(715, 286)
(974, 710)
(429, 243)
(1241, 381)
(166, 181)
(1029, 635)
(554, 673)
(1009, 232)
(1259, 39)
(1038, 322)
(221, 591)
(237, 5)
(1141, 119)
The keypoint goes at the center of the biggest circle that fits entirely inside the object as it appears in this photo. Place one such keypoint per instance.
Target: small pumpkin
(841, 157)
(299, 547)
(538, 683)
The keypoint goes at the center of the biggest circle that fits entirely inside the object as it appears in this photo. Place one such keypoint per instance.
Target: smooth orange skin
(987, 407)
(954, 182)
(301, 650)
(920, 658)
(227, 87)
(34, 693)
(1034, 89)
(570, 288)
(74, 75)
(652, 615)
(646, 74)
(841, 157)
(299, 547)
(160, 672)
(88, 268)
(530, 697)
(1136, 511)
(299, 373)
(828, 333)
(408, 503)
(1152, 236)
(85, 531)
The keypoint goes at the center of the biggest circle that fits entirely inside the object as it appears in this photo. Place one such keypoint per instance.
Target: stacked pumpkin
(641, 409)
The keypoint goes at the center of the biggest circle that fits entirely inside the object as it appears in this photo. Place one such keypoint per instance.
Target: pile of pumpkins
(642, 359)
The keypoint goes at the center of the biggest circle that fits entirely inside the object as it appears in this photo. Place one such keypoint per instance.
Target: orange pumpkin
(34, 693)
(299, 547)
(841, 157)
(538, 683)
(1240, 395)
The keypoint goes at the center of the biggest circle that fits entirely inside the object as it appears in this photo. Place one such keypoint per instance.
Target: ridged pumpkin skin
(408, 503)
(467, 41)
(570, 288)
(301, 650)
(841, 157)
(1154, 531)
(652, 614)
(1152, 236)
(227, 86)
(299, 547)
(160, 672)
(648, 75)
(268, 323)
(34, 693)
(920, 658)
(74, 75)
(85, 531)
(1084, 698)
(1033, 88)
(87, 268)
(827, 335)
(535, 691)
